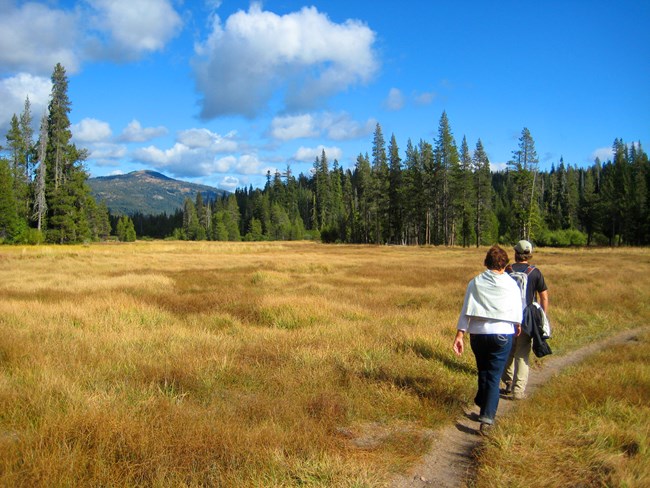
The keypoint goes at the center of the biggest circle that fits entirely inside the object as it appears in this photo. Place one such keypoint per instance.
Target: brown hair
(496, 258)
(520, 257)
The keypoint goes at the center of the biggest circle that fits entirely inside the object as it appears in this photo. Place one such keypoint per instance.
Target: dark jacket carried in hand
(533, 325)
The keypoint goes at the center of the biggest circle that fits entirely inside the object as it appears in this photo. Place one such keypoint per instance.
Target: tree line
(439, 194)
(432, 193)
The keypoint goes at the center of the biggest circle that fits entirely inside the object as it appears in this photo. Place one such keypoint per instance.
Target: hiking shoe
(519, 396)
(507, 390)
(485, 429)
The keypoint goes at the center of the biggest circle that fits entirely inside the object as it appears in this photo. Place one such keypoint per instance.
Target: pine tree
(126, 229)
(465, 195)
(395, 205)
(431, 190)
(363, 183)
(191, 226)
(66, 188)
(380, 188)
(447, 161)
(483, 195)
(413, 196)
(322, 190)
(8, 212)
(524, 170)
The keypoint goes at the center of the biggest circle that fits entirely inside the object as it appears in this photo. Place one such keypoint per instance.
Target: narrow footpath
(449, 463)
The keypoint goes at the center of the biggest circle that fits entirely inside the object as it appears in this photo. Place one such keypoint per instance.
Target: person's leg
(522, 347)
(509, 372)
(478, 345)
(495, 351)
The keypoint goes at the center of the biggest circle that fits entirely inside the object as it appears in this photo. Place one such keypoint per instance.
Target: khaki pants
(516, 372)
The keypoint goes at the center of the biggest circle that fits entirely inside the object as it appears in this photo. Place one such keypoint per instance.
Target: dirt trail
(449, 462)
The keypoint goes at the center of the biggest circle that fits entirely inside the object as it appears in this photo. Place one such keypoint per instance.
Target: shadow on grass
(424, 350)
(423, 387)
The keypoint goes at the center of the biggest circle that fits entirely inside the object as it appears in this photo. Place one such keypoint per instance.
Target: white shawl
(493, 296)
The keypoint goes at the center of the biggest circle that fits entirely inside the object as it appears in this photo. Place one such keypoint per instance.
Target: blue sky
(220, 92)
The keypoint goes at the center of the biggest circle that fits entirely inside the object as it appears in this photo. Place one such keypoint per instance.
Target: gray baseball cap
(524, 247)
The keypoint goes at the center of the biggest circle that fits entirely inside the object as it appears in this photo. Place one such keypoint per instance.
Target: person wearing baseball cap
(515, 375)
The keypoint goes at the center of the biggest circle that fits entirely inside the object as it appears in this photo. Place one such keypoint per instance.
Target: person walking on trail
(515, 375)
(492, 315)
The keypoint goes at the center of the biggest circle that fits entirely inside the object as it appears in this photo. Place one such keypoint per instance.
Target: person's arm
(543, 300)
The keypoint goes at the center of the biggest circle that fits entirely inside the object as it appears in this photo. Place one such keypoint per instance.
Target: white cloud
(34, 37)
(136, 27)
(134, 132)
(341, 127)
(309, 154)
(494, 167)
(106, 153)
(14, 91)
(246, 164)
(91, 130)
(245, 60)
(603, 153)
(294, 127)
(204, 138)
(395, 100)
(334, 126)
(229, 183)
(186, 161)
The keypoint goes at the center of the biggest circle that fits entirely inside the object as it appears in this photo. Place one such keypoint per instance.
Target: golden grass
(254, 364)
(590, 427)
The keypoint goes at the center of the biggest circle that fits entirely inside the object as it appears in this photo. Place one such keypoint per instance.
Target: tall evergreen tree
(412, 192)
(8, 213)
(364, 196)
(447, 161)
(465, 195)
(524, 170)
(395, 202)
(380, 188)
(66, 190)
(483, 194)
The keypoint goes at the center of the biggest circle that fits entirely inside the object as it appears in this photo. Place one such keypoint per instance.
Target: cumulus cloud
(244, 61)
(195, 154)
(309, 154)
(334, 126)
(107, 153)
(134, 132)
(204, 138)
(14, 91)
(131, 28)
(294, 127)
(246, 164)
(340, 127)
(91, 130)
(395, 100)
(34, 37)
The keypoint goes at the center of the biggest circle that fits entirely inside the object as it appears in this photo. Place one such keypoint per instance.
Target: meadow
(256, 364)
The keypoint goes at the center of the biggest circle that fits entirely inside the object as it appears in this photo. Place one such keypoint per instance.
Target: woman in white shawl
(492, 315)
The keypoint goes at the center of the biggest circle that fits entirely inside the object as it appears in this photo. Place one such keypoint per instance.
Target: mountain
(147, 192)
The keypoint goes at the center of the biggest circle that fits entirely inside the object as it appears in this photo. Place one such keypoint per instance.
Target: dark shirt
(536, 283)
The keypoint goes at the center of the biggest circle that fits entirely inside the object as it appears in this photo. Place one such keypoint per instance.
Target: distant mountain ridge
(147, 192)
